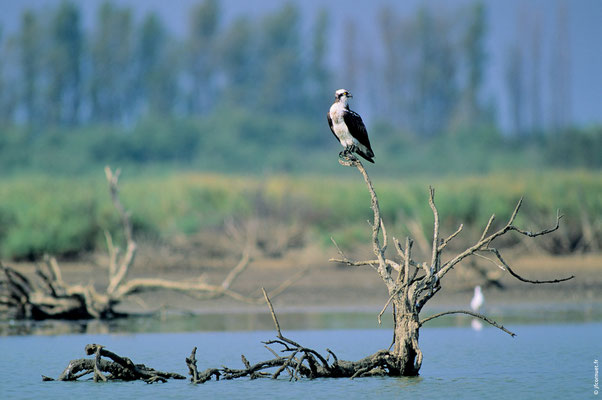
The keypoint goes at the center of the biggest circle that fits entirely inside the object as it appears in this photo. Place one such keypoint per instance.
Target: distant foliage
(250, 94)
(66, 217)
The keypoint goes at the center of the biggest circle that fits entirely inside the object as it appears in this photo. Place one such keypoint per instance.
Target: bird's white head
(342, 95)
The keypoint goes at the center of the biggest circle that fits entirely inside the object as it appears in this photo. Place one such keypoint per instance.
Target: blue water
(542, 361)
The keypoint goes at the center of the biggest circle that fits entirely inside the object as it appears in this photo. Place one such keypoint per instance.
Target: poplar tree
(64, 65)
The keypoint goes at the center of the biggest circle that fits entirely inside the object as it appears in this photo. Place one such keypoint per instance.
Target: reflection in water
(255, 321)
(53, 327)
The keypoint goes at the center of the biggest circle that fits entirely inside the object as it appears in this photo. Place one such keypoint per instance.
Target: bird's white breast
(338, 125)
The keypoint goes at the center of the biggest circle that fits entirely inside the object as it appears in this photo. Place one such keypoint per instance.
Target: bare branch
(520, 278)
(239, 268)
(406, 263)
(113, 179)
(346, 260)
(487, 227)
(269, 303)
(55, 270)
(47, 280)
(449, 238)
(405, 256)
(515, 212)
(97, 373)
(338, 248)
(120, 271)
(334, 356)
(402, 279)
(490, 260)
(484, 242)
(113, 253)
(373, 263)
(211, 291)
(385, 275)
(539, 233)
(385, 238)
(435, 255)
(387, 304)
(474, 314)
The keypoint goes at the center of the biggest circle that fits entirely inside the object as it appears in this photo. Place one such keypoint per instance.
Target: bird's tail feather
(368, 156)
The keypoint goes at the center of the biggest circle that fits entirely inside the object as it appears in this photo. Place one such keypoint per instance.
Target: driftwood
(298, 361)
(116, 368)
(416, 282)
(51, 297)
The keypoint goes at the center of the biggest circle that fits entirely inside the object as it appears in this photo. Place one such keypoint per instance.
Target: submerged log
(115, 366)
(298, 361)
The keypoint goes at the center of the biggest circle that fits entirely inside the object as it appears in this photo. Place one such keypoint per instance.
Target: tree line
(56, 72)
(241, 80)
(429, 78)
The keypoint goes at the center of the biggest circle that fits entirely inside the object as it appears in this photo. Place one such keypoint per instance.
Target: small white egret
(477, 299)
(475, 304)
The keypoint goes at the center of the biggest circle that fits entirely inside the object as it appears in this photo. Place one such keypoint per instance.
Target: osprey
(348, 127)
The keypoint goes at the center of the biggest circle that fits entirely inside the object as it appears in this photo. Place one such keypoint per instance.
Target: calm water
(543, 361)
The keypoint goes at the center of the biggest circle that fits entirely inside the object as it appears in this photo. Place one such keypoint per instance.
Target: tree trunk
(405, 347)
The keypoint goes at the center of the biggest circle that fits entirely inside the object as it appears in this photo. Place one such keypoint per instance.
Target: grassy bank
(64, 216)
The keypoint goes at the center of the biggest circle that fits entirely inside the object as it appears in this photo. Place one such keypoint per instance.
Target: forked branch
(474, 314)
(485, 241)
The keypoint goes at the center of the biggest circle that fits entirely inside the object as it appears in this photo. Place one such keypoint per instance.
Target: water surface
(542, 361)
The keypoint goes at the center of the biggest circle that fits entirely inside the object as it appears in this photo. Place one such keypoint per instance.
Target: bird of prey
(348, 127)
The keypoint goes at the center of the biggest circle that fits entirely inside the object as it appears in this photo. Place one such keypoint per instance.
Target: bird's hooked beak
(348, 94)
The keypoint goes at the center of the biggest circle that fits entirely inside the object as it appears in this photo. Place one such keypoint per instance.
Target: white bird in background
(475, 304)
(477, 299)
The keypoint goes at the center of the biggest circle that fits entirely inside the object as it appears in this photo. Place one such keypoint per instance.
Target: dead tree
(412, 283)
(116, 368)
(50, 296)
(296, 360)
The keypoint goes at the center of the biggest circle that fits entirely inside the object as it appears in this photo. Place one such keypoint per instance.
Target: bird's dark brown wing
(357, 129)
